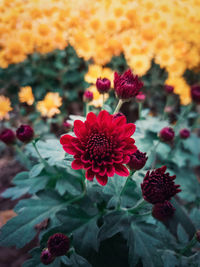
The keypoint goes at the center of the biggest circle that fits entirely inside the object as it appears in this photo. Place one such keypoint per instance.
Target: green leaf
(114, 222)
(36, 170)
(169, 259)
(78, 261)
(20, 229)
(143, 245)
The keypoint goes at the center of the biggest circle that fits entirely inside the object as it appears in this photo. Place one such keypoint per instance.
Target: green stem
(183, 115)
(42, 160)
(190, 245)
(122, 191)
(103, 102)
(23, 157)
(120, 103)
(140, 104)
(138, 206)
(154, 155)
(87, 109)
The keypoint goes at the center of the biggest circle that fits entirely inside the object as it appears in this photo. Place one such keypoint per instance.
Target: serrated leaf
(36, 170)
(20, 229)
(169, 259)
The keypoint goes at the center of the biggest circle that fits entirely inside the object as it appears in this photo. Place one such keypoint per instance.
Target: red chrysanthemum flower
(103, 85)
(103, 144)
(58, 244)
(7, 136)
(195, 93)
(137, 160)
(87, 96)
(167, 134)
(184, 133)
(127, 85)
(25, 133)
(158, 186)
(46, 257)
(163, 211)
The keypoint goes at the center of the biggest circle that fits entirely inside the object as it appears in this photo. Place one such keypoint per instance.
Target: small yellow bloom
(97, 97)
(26, 96)
(5, 107)
(48, 107)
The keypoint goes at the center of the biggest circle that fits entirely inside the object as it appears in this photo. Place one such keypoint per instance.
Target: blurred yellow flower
(96, 71)
(49, 106)
(26, 96)
(5, 107)
(97, 97)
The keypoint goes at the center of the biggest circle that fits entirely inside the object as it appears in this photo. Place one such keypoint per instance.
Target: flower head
(184, 133)
(87, 96)
(5, 107)
(102, 146)
(46, 257)
(159, 186)
(169, 88)
(163, 211)
(137, 160)
(140, 97)
(103, 85)
(195, 93)
(25, 133)
(26, 95)
(7, 136)
(58, 244)
(167, 134)
(49, 105)
(127, 85)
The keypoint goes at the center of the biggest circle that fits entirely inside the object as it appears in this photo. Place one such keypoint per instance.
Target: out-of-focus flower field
(100, 133)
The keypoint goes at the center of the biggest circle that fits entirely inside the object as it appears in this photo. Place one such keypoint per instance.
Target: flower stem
(42, 160)
(140, 110)
(103, 102)
(23, 157)
(87, 109)
(138, 206)
(190, 245)
(120, 103)
(154, 155)
(183, 115)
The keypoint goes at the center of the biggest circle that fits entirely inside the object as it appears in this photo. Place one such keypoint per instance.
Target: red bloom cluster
(25, 133)
(7, 136)
(137, 160)
(140, 97)
(163, 211)
(58, 244)
(46, 257)
(169, 89)
(158, 186)
(127, 85)
(167, 134)
(103, 85)
(195, 93)
(184, 133)
(102, 145)
(87, 96)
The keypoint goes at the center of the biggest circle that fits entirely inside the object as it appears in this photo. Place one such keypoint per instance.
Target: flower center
(99, 146)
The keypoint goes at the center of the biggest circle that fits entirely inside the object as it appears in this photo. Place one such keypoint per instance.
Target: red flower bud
(58, 244)
(159, 186)
(169, 89)
(7, 136)
(46, 257)
(137, 160)
(140, 97)
(195, 93)
(184, 133)
(103, 85)
(127, 85)
(163, 211)
(167, 134)
(87, 96)
(25, 133)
